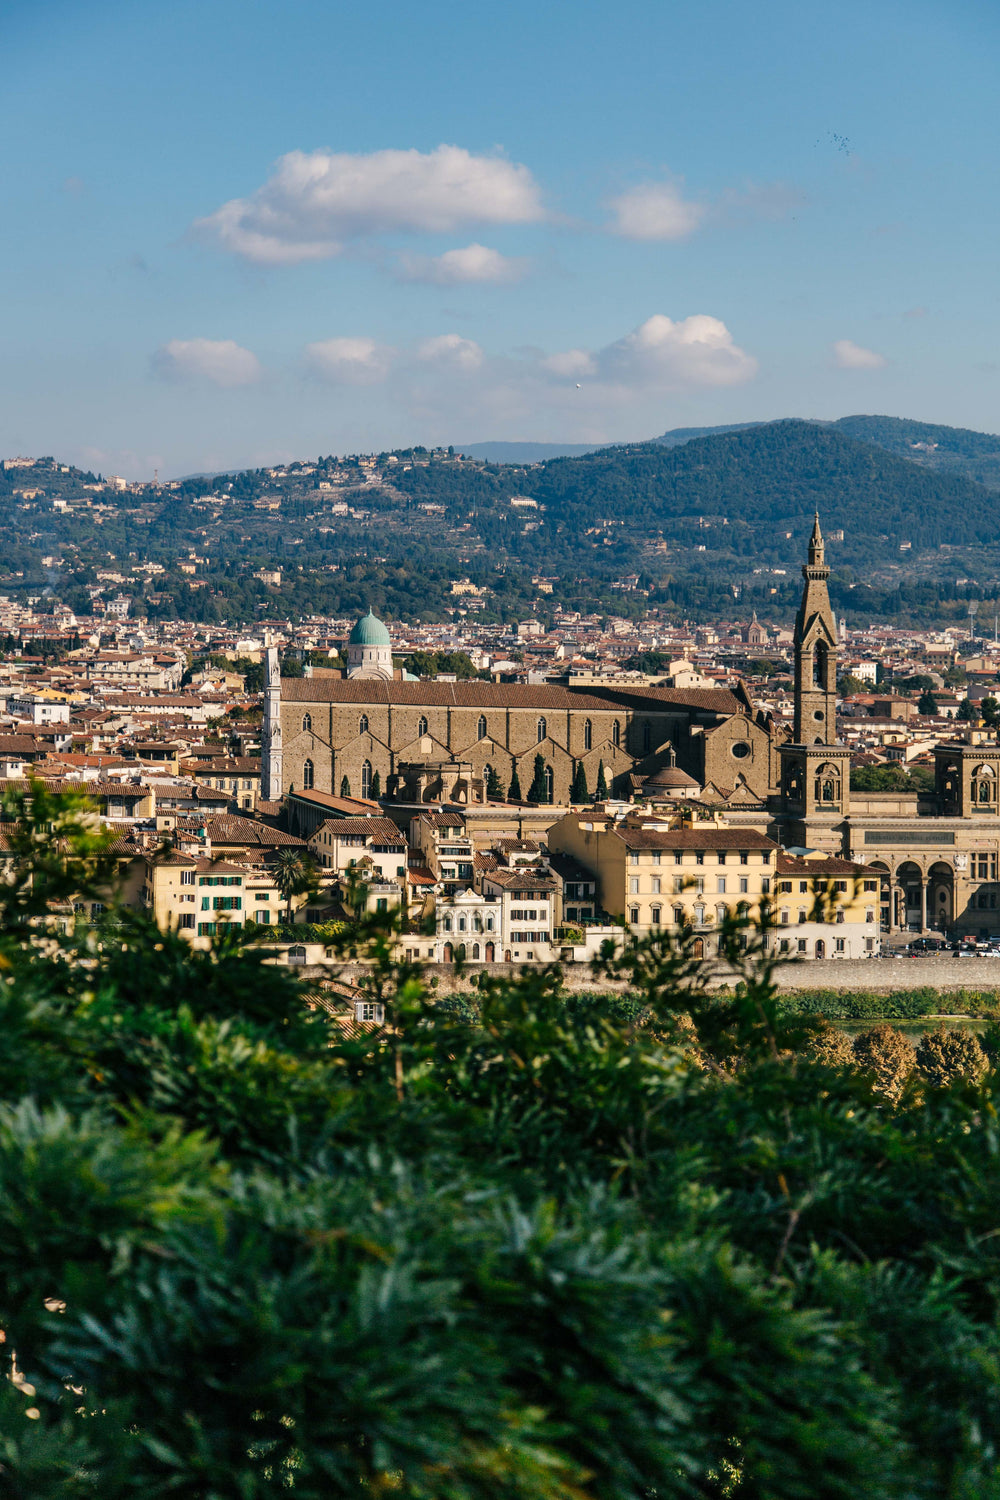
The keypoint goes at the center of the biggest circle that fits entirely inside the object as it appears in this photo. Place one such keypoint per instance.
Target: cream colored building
(653, 876)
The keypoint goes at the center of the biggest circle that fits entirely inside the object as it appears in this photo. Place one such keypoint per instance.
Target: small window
(588, 735)
(655, 916)
(720, 885)
(633, 914)
(186, 919)
(307, 721)
(363, 724)
(481, 727)
(616, 733)
(369, 1010)
(187, 877)
(840, 944)
(633, 885)
(422, 725)
(541, 730)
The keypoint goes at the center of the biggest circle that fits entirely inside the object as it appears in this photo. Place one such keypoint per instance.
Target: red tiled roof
(437, 694)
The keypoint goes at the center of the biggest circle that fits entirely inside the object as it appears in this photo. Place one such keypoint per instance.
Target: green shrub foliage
(520, 1247)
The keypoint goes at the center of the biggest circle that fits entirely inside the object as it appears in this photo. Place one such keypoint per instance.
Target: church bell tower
(815, 770)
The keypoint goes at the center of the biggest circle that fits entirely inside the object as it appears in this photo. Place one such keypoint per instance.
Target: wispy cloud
(218, 361)
(472, 265)
(656, 211)
(847, 355)
(350, 361)
(316, 203)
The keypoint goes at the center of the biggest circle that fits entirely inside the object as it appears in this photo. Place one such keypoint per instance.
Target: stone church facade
(436, 741)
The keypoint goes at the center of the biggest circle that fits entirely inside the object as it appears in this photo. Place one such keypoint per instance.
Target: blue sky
(234, 232)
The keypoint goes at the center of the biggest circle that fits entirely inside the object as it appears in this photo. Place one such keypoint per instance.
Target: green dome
(369, 632)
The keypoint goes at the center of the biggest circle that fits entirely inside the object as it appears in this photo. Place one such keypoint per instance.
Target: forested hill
(951, 450)
(767, 479)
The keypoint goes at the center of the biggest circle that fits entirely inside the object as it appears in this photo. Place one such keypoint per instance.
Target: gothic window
(819, 664)
(984, 786)
(307, 721)
(481, 727)
(366, 778)
(363, 724)
(307, 774)
(422, 725)
(588, 735)
(542, 729)
(616, 733)
(549, 784)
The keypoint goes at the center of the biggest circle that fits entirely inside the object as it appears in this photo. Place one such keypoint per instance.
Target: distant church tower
(815, 770)
(369, 650)
(271, 788)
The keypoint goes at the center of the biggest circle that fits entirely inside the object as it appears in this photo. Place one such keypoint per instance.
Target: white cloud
(315, 202)
(570, 364)
(664, 355)
(350, 361)
(850, 356)
(472, 264)
(451, 351)
(656, 211)
(220, 361)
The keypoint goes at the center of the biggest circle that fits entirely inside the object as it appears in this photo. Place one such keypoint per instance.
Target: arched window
(366, 778)
(477, 923)
(446, 924)
(307, 774)
(984, 785)
(461, 924)
(550, 783)
(616, 733)
(481, 727)
(307, 721)
(345, 787)
(827, 785)
(542, 729)
(475, 950)
(588, 735)
(819, 664)
(363, 724)
(422, 725)
(489, 924)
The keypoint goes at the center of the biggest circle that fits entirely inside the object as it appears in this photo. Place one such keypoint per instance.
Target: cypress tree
(601, 789)
(578, 791)
(494, 786)
(345, 787)
(537, 792)
(376, 790)
(514, 790)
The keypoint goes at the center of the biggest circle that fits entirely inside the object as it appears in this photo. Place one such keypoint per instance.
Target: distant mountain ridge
(954, 450)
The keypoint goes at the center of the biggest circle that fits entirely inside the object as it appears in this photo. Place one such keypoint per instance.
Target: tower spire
(816, 544)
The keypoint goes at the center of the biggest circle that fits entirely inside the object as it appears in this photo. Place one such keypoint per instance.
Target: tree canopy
(517, 1245)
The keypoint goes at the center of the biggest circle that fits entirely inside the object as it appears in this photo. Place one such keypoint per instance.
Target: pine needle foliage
(527, 1246)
